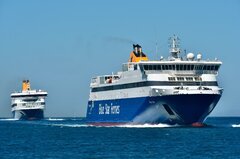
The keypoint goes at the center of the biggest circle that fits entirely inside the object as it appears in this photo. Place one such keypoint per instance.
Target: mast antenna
(174, 46)
(156, 50)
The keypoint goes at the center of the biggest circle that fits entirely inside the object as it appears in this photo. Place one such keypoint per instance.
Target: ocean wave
(71, 125)
(8, 119)
(55, 119)
(236, 125)
(116, 126)
(145, 126)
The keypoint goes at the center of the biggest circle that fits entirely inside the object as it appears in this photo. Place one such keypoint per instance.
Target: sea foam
(236, 125)
(116, 126)
(9, 119)
(55, 119)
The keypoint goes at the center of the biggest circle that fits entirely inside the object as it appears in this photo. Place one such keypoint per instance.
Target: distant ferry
(177, 90)
(28, 104)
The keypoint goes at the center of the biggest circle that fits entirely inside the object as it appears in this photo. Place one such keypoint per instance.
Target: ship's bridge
(176, 67)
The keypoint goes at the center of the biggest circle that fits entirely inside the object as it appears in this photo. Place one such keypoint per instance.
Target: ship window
(208, 67)
(191, 67)
(159, 67)
(170, 67)
(198, 79)
(216, 67)
(150, 67)
(163, 67)
(181, 67)
(116, 77)
(166, 66)
(102, 80)
(204, 67)
(212, 67)
(154, 67)
(198, 67)
(171, 79)
(180, 78)
(94, 80)
(184, 67)
(145, 67)
(13, 105)
(189, 79)
(173, 67)
(177, 67)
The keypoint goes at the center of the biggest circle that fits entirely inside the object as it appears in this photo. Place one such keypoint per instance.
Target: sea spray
(150, 115)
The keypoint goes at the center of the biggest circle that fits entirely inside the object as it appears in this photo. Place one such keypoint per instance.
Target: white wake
(72, 125)
(116, 126)
(55, 119)
(9, 119)
(236, 125)
(145, 126)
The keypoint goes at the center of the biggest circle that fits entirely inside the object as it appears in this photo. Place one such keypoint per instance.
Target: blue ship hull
(29, 114)
(172, 109)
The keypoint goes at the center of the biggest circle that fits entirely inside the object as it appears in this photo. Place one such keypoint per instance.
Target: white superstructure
(174, 75)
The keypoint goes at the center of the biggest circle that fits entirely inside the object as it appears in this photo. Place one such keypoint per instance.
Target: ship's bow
(189, 108)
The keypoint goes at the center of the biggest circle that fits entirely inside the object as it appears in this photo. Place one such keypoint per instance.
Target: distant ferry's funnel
(26, 85)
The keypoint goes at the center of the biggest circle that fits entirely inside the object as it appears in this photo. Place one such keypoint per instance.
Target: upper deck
(174, 67)
(31, 93)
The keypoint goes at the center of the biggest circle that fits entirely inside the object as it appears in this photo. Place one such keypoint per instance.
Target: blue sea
(73, 138)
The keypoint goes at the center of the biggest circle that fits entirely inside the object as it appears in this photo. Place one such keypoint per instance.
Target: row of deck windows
(184, 78)
(40, 103)
(181, 67)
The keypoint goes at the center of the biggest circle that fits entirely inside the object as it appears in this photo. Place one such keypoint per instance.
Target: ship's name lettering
(113, 109)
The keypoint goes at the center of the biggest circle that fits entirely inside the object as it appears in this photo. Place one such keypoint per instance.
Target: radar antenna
(174, 46)
(156, 49)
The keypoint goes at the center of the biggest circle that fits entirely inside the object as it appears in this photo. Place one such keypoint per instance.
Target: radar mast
(174, 47)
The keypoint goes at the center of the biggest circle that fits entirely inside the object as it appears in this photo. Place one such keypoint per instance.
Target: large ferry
(176, 90)
(28, 104)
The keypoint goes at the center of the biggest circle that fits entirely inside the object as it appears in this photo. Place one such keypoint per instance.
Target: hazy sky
(59, 45)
